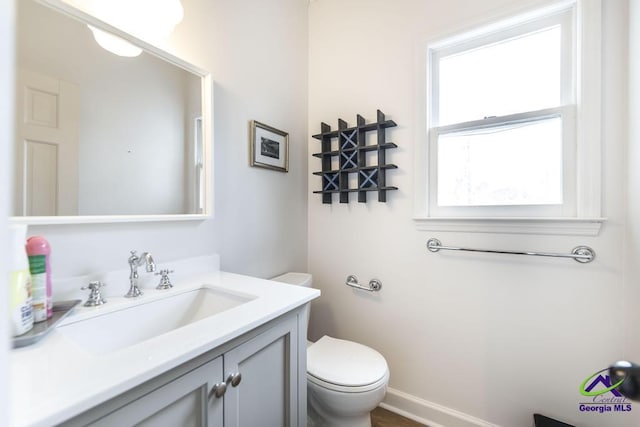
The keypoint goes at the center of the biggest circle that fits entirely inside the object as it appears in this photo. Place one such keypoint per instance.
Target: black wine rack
(354, 157)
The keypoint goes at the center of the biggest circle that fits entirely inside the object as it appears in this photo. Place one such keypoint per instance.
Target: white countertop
(56, 379)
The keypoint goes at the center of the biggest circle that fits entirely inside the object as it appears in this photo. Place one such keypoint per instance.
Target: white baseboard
(428, 413)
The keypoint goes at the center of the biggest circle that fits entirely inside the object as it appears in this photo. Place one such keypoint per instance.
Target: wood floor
(382, 418)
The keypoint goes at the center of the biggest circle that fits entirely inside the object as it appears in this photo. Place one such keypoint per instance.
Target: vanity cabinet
(267, 393)
(254, 380)
(181, 402)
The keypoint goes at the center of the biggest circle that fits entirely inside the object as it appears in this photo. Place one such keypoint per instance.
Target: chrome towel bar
(374, 284)
(581, 254)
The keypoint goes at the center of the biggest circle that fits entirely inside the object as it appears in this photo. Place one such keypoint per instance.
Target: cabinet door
(267, 392)
(183, 402)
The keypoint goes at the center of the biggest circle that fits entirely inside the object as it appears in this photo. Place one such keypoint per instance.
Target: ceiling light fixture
(114, 44)
(150, 20)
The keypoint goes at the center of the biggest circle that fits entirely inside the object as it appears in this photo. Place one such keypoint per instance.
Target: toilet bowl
(345, 380)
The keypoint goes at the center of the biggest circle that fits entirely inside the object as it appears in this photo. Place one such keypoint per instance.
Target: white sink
(148, 319)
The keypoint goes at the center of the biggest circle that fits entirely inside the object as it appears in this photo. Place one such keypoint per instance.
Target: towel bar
(374, 284)
(581, 254)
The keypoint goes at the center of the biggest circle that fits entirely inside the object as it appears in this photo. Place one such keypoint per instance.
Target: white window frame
(580, 110)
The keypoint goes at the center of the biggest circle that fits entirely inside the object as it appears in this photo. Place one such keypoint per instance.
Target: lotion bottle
(20, 310)
(39, 251)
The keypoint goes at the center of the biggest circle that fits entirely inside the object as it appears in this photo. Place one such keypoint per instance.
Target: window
(505, 139)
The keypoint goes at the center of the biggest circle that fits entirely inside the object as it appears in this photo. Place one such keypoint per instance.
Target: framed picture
(268, 147)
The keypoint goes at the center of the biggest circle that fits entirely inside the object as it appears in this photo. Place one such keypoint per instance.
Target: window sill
(542, 226)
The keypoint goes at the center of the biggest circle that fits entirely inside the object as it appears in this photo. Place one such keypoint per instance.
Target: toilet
(345, 380)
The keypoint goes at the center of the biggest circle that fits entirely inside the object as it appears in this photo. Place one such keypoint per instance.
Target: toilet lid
(345, 363)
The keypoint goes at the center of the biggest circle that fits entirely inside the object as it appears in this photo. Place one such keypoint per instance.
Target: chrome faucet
(134, 262)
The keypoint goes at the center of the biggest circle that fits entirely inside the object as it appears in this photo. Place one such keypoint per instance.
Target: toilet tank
(299, 279)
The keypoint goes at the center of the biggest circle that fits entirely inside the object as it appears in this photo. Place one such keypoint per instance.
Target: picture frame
(268, 147)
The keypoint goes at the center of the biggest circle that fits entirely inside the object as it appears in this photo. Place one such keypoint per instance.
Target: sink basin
(136, 323)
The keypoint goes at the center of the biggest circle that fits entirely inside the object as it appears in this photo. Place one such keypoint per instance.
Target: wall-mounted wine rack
(354, 157)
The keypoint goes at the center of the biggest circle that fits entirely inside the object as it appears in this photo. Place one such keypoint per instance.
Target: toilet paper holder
(374, 284)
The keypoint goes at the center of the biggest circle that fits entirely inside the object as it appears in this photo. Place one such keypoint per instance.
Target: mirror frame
(207, 128)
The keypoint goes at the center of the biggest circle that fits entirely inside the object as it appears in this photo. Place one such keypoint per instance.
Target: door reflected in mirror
(102, 135)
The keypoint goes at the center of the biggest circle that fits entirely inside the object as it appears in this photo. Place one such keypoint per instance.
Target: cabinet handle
(234, 379)
(218, 390)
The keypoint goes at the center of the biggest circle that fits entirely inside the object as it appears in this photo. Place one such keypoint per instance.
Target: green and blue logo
(602, 395)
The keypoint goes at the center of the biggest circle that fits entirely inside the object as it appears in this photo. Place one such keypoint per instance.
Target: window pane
(513, 76)
(511, 165)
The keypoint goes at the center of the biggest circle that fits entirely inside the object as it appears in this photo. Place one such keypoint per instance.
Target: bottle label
(37, 264)
(20, 309)
(38, 268)
(39, 296)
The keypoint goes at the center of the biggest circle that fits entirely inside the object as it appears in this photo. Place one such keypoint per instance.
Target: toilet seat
(347, 389)
(345, 366)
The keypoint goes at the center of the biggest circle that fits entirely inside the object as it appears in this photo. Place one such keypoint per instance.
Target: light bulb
(114, 44)
(150, 20)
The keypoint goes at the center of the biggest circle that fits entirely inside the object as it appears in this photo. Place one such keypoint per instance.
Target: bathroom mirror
(101, 137)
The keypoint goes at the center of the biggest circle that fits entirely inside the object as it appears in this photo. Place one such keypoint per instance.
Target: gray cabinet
(182, 402)
(254, 380)
(266, 394)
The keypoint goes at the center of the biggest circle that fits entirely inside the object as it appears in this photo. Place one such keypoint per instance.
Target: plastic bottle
(20, 310)
(39, 252)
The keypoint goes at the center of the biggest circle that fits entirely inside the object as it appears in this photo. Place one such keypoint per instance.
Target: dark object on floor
(542, 421)
(383, 418)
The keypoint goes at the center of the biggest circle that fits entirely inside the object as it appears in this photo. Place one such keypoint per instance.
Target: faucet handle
(95, 297)
(94, 286)
(165, 282)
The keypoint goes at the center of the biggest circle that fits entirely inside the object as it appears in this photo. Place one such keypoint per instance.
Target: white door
(48, 112)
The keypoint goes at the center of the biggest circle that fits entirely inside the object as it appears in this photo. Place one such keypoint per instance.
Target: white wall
(260, 220)
(494, 337)
(6, 135)
(257, 52)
